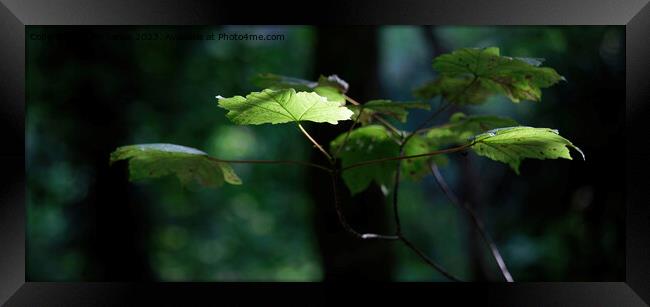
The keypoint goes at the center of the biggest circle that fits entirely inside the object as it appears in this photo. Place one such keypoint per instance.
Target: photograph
(253, 153)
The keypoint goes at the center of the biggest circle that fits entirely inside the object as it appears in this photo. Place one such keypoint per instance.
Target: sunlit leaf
(332, 87)
(188, 164)
(513, 144)
(282, 106)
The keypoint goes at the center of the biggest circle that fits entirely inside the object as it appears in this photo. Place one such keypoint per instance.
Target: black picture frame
(16, 14)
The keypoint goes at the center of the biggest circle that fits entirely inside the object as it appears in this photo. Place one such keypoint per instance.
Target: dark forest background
(559, 220)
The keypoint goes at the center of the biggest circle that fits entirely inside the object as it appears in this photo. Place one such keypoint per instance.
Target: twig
(427, 121)
(302, 129)
(427, 259)
(398, 225)
(352, 101)
(475, 219)
(433, 153)
(390, 127)
(368, 236)
(402, 144)
(407, 138)
(343, 221)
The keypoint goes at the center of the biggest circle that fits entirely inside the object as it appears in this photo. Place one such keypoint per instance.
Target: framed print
(186, 153)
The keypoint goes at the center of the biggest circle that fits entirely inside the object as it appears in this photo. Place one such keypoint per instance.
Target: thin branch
(427, 121)
(426, 129)
(475, 219)
(302, 129)
(369, 236)
(428, 260)
(398, 225)
(433, 153)
(343, 221)
(390, 127)
(303, 163)
(402, 144)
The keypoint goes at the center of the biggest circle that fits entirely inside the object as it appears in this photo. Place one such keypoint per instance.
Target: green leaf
(282, 106)
(470, 75)
(188, 164)
(513, 144)
(363, 144)
(333, 88)
(397, 110)
(462, 127)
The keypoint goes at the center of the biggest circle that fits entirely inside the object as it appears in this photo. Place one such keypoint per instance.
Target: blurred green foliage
(263, 230)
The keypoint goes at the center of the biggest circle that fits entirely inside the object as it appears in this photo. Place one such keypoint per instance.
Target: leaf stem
(352, 101)
(475, 219)
(401, 157)
(302, 129)
(388, 125)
